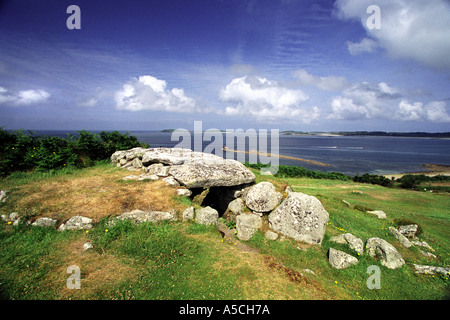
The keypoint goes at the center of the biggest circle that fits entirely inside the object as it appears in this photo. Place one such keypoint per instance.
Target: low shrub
(22, 151)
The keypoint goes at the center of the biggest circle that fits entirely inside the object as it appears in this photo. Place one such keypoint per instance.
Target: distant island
(373, 133)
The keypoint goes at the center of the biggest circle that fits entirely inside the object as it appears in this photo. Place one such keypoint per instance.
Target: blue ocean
(347, 154)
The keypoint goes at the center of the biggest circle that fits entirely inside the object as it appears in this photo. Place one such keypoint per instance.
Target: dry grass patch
(97, 194)
(99, 272)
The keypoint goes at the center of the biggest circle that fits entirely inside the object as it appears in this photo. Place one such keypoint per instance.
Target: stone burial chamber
(228, 187)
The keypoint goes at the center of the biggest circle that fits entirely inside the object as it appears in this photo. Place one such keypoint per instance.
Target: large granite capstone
(191, 169)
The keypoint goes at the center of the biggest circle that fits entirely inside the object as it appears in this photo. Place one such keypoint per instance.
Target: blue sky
(279, 64)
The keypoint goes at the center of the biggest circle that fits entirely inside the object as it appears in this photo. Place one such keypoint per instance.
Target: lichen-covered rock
(431, 270)
(188, 214)
(76, 223)
(45, 222)
(301, 217)
(207, 216)
(262, 197)
(340, 260)
(400, 237)
(212, 173)
(409, 230)
(140, 216)
(379, 213)
(385, 252)
(246, 225)
(353, 242)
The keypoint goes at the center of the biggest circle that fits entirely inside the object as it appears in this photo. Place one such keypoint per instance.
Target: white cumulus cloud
(413, 29)
(24, 97)
(369, 101)
(149, 93)
(261, 98)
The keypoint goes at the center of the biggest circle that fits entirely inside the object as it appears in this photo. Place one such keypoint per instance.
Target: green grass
(184, 260)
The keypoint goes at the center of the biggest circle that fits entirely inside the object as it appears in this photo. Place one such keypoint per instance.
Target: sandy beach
(429, 170)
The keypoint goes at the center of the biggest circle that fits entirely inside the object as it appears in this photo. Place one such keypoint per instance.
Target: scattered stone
(383, 250)
(400, 237)
(88, 246)
(13, 216)
(309, 271)
(301, 217)
(347, 203)
(428, 254)
(76, 223)
(45, 222)
(184, 192)
(431, 270)
(236, 206)
(409, 230)
(188, 214)
(170, 181)
(132, 177)
(271, 235)
(207, 216)
(422, 244)
(262, 197)
(153, 168)
(2, 196)
(139, 216)
(246, 225)
(146, 176)
(379, 213)
(353, 242)
(136, 163)
(340, 260)
(125, 156)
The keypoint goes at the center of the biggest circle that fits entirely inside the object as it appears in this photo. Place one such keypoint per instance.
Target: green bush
(412, 181)
(21, 151)
(373, 179)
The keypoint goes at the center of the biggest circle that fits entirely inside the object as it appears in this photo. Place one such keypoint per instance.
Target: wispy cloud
(328, 83)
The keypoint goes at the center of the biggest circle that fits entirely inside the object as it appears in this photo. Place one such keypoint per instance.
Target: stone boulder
(340, 260)
(385, 252)
(409, 230)
(207, 216)
(400, 237)
(124, 157)
(234, 209)
(246, 225)
(262, 197)
(301, 217)
(353, 242)
(45, 222)
(215, 173)
(139, 216)
(431, 270)
(76, 223)
(271, 235)
(188, 214)
(2, 196)
(379, 213)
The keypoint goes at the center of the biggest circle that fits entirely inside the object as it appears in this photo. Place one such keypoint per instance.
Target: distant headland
(372, 133)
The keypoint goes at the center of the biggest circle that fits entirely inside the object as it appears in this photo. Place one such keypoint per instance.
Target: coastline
(431, 170)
